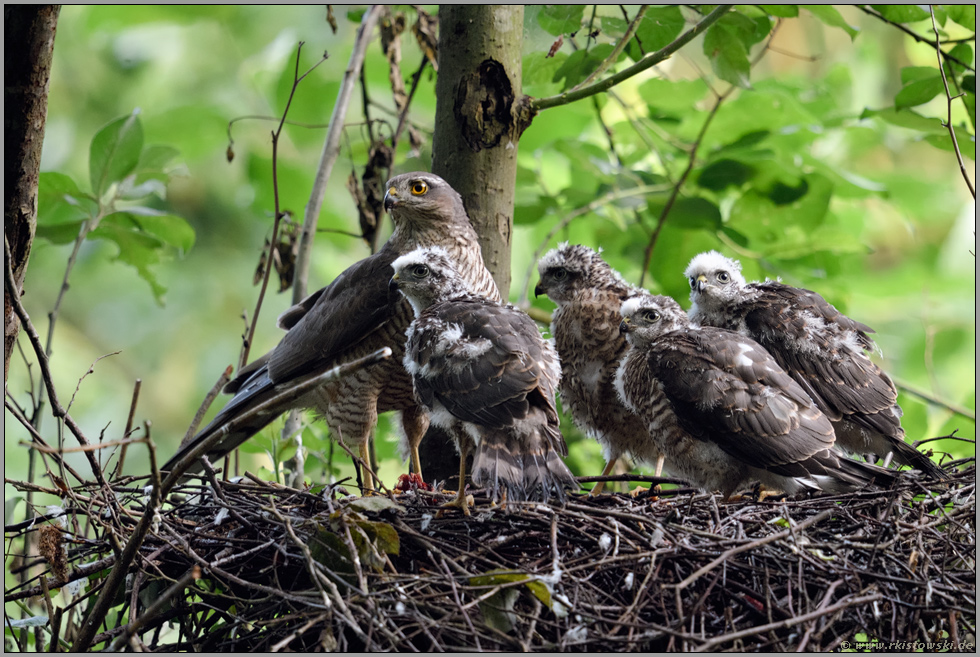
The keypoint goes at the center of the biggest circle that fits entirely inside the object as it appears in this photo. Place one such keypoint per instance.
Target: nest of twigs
(256, 566)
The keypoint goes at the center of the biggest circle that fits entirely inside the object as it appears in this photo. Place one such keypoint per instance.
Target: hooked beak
(624, 326)
(539, 289)
(700, 283)
(391, 199)
(393, 283)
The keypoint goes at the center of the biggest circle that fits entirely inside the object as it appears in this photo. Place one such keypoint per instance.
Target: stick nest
(252, 566)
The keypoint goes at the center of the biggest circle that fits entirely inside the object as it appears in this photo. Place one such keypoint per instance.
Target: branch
(916, 36)
(56, 408)
(274, 240)
(932, 399)
(614, 55)
(331, 149)
(281, 399)
(645, 62)
(675, 192)
(116, 576)
(611, 197)
(949, 107)
(648, 254)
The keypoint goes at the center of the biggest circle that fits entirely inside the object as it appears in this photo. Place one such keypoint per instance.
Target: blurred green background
(807, 174)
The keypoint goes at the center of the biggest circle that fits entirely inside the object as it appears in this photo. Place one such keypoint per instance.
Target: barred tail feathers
(526, 467)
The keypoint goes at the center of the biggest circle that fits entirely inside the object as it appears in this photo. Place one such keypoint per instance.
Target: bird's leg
(461, 502)
(639, 490)
(655, 489)
(761, 493)
(366, 475)
(415, 422)
(597, 489)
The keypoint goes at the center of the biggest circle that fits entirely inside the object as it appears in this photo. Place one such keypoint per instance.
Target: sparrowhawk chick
(487, 377)
(585, 328)
(822, 349)
(722, 410)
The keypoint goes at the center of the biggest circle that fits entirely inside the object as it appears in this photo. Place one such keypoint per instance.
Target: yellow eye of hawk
(419, 187)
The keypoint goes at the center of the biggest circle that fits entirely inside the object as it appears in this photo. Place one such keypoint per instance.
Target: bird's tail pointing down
(524, 466)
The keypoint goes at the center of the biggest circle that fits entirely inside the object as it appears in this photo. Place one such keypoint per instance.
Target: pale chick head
(426, 276)
(714, 279)
(570, 269)
(646, 317)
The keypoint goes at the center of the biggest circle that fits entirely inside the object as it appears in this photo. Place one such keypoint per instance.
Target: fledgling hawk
(722, 410)
(822, 349)
(354, 316)
(585, 327)
(487, 377)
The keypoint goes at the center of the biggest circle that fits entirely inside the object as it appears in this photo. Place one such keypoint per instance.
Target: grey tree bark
(28, 43)
(479, 118)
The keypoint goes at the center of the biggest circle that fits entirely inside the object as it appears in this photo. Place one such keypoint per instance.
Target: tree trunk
(475, 145)
(28, 34)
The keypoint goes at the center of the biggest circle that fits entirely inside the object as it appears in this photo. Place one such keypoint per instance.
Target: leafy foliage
(125, 177)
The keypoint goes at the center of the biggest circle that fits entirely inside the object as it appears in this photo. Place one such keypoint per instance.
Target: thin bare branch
(616, 51)
(645, 62)
(949, 107)
(331, 149)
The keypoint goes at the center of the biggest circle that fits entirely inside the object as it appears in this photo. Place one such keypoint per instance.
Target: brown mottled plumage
(585, 327)
(722, 410)
(822, 349)
(487, 376)
(354, 316)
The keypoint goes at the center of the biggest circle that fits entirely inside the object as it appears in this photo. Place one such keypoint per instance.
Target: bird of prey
(722, 410)
(487, 377)
(822, 349)
(356, 315)
(585, 327)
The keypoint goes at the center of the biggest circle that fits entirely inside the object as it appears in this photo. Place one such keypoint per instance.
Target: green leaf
(782, 229)
(382, 536)
(830, 16)
(720, 174)
(729, 58)
(966, 141)
(156, 157)
(905, 118)
(168, 228)
(902, 13)
(913, 73)
(673, 97)
(965, 15)
(964, 53)
(115, 152)
(691, 214)
(137, 248)
(580, 64)
(561, 19)
(919, 92)
(375, 504)
(60, 201)
(659, 27)
(781, 11)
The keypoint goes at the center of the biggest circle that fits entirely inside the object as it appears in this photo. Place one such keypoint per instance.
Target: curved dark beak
(624, 326)
(700, 283)
(540, 289)
(393, 283)
(391, 199)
